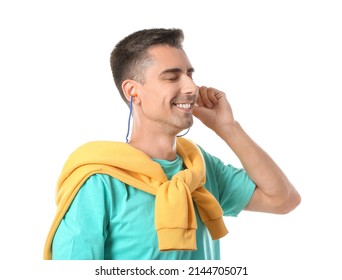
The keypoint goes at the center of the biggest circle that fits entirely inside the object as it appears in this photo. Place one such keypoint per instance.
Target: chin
(183, 124)
(187, 126)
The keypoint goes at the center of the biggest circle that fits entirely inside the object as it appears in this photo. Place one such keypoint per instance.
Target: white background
(280, 64)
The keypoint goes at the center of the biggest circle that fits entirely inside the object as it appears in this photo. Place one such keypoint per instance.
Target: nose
(189, 86)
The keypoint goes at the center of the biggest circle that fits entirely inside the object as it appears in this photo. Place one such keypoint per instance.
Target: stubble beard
(182, 123)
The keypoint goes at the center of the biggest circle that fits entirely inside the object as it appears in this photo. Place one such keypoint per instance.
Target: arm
(274, 192)
(81, 233)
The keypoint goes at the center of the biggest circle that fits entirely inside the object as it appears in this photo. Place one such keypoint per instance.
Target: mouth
(184, 106)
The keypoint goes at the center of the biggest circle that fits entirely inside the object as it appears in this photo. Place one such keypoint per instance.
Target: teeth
(184, 105)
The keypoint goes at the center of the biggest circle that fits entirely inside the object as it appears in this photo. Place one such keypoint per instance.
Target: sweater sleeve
(82, 233)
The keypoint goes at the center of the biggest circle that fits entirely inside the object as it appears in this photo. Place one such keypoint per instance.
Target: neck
(154, 145)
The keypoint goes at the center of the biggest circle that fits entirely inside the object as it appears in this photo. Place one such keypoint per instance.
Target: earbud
(134, 94)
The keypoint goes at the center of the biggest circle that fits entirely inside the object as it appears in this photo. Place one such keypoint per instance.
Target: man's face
(168, 93)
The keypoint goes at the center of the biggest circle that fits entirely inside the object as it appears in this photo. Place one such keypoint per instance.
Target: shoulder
(99, 184)
(97, 148)
(102, 190)
(211, 161)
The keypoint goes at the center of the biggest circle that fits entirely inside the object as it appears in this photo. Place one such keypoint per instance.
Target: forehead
(164, 57)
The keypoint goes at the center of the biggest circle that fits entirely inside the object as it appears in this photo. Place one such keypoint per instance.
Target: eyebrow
(176, 70)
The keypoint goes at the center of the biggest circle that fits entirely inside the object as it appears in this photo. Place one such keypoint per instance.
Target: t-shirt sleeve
(82, 232)
(231, 186)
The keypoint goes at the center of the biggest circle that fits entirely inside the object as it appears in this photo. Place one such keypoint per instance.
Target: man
(160, 196)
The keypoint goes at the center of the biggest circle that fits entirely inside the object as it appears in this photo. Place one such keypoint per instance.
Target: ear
(130, 89)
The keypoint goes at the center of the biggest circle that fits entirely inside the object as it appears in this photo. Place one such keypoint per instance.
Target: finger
(205, 99)
(199, 101)
(212, 95)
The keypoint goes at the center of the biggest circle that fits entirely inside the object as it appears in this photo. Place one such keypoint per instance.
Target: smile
(184, 105)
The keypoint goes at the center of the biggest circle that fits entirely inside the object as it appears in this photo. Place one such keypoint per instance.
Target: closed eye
(173, 74)
(172, 77)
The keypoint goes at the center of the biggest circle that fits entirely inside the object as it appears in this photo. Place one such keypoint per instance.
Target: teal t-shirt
(109, 219)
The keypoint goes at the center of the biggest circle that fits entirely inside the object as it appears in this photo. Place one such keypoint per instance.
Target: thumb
(198, 111)
(203, 114)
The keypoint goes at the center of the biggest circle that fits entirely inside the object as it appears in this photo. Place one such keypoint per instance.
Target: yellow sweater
(175, 218)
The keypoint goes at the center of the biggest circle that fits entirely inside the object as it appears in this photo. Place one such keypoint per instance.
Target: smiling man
(160, 196)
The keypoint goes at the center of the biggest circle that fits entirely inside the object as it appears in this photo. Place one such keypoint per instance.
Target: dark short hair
(130, 56)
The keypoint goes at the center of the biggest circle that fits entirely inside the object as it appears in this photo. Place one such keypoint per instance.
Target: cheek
(156, 98)
(151, 104)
